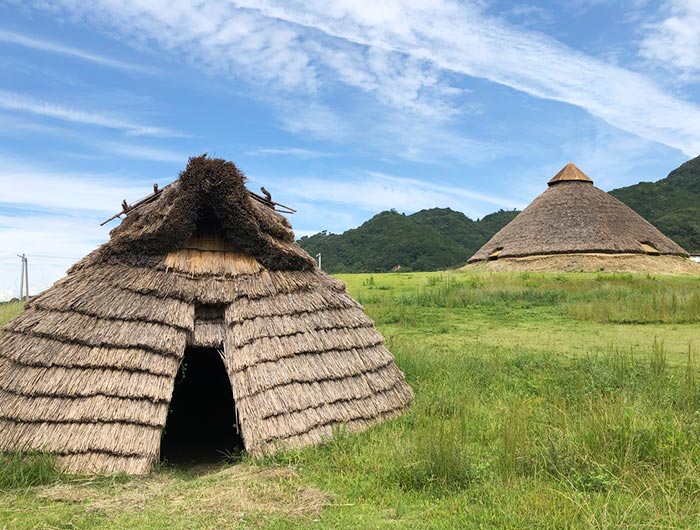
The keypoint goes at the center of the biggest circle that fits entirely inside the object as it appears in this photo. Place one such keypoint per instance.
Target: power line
(43, 256)
(34, 255)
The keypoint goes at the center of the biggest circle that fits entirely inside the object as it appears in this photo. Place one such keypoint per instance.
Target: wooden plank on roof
(649, 249)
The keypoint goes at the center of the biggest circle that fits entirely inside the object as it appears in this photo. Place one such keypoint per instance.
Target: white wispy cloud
(397, 80)
(141, 152)
(54, 217)
(13, 126)
(404, 52)
(430, 141)
(528, 15)
(375, 191)
(311, 216)
(389, 134)
(27, 186)
(313, 120)
(52, 244)
(614, 158)
(249, 44)
(61, 49)
(8, 293)
(461, 39)
(213, 34)
(20, 103)
(294, 152)
(674, 41)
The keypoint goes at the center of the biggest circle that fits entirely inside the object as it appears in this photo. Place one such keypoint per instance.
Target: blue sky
(340, 109)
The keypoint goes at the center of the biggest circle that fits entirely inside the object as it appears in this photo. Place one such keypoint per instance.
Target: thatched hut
(574, 226)
(207, 272)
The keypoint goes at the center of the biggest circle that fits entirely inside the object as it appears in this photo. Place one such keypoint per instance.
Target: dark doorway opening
(202, 425)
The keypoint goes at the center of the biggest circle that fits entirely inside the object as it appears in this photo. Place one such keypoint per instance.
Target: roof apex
(569, 173)
(208, 186)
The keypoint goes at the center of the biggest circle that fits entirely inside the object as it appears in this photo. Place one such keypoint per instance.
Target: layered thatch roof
(88, 370)
(574, 217)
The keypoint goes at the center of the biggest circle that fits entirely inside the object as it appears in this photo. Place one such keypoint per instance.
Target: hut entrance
(202, 424)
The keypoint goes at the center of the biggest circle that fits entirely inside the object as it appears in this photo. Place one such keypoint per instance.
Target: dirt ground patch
(236, 492)
(108, 496)
(242, 489)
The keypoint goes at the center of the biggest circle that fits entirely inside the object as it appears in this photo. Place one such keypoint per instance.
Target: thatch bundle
(88, 370)
(573, 217)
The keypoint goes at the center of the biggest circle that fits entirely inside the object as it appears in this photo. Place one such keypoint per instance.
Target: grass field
(10, 310)
(542, 401)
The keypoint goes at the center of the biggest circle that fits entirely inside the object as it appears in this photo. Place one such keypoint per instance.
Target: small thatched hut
(574, 226)
(207, 272)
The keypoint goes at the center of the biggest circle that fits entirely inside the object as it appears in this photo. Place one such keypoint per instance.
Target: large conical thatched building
(205, 271)
(575, 226)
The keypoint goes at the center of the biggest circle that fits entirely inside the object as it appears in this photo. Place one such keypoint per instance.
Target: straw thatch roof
(569, 173)
(88, 369)
(573, 217)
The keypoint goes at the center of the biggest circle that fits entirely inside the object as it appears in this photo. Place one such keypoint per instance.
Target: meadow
(542, 401)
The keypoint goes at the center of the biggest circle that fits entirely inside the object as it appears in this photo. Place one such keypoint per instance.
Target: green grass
(542, 401)
(24, 470)
(9, 310)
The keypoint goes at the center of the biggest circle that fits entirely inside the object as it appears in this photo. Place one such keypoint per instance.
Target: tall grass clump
(593, 423)
(638, 423)
(9, 310)
(604, 298)
(24, 470)
(439, 455)
(513, 439)
(635, 303)
(436, 457)
(456, 291)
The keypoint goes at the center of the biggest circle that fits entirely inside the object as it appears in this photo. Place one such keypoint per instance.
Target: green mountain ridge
(441, 238)
(433, 239)
(671, 204)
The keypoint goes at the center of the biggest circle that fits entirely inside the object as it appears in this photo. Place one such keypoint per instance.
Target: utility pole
(24, 278)
(319, 259)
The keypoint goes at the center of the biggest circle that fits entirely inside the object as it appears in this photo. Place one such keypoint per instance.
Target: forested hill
(433, 239)
(671, 204)
(441, 238)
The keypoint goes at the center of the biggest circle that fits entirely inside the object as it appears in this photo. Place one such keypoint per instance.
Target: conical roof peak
(215, 188)
(569, 173)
